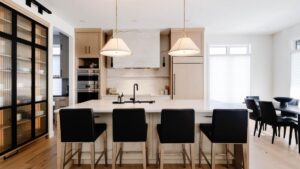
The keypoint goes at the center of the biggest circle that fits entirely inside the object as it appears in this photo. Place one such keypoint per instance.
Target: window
(295, 71)
(229, 73)
(56, 60)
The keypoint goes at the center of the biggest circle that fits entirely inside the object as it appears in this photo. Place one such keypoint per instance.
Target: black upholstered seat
(78, 125)
(177, 126)
(229, 126)
(129, 125)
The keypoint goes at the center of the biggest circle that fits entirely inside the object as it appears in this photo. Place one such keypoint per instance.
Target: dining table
(294, 110)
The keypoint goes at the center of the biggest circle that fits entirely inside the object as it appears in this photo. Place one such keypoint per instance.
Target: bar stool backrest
(230, 126)
(77, 125)
(129, 125)
(178, 125)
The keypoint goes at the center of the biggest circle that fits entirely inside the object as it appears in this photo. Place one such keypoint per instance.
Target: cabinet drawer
(185, 59)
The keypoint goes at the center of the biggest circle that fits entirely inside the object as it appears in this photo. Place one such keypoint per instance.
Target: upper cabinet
(88, 42)
(196, 34)
(145, 48)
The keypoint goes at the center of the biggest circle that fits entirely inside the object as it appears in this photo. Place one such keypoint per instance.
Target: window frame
(248, 46)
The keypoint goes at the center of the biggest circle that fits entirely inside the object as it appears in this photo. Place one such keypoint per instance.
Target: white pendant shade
(115, 47)
(184, 47)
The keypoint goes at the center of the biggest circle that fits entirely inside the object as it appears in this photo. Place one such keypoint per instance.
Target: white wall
(261, 59)
(282, 44)
(53, 21)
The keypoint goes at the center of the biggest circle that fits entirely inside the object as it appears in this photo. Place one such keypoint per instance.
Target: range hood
(145, 47)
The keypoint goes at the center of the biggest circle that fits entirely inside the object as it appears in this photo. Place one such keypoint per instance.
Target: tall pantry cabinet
(23, 80)
(187, 73)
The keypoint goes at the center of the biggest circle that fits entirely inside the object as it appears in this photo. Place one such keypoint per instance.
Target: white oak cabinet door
(188, 81)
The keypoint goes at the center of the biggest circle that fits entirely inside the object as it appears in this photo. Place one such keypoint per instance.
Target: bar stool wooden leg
(121, 153)
(92, 155)
(144, 155)
(105, 147)
(161, 152)
(79, 153)
(183, 155)
(192, 149)
(213, 162)
(147, 155)
(114, 148)
(62, 157)
(227, 154)
(157, 153)
(200, 148)
(245, 156)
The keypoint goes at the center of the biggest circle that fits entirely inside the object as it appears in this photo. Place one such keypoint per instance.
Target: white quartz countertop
(106, 106)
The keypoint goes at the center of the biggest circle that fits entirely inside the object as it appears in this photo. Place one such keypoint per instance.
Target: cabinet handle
(89, 49)
(174, 90)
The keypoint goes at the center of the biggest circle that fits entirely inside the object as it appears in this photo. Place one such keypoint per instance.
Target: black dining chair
(253, 97)
(255, 114)
(294, 102)
(286, 114)
(229, 126)
(78, 126)
(129, 125)
(177, 127)
(269, 117)
(295, 128)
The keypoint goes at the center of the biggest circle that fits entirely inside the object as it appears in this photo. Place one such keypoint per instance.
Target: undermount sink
(137, 101)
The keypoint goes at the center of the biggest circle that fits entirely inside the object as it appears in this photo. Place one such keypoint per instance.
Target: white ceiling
(217, 16)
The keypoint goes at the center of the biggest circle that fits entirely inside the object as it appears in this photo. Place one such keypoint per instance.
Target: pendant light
(116, 47)
(184, 46)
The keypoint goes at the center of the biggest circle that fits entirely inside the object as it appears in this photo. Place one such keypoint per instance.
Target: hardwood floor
(263, 155)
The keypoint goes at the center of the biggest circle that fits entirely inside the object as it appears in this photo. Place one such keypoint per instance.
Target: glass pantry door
(40, 91)
(40, 35)
(5, 81)
(24, 81)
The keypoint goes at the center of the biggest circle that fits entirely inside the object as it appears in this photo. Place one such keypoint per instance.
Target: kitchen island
(203, 111)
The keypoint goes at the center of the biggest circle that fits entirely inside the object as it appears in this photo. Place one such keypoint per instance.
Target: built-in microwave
(87, 84)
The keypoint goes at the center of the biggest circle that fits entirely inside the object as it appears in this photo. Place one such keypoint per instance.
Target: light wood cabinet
(88, 42)
(188, 78)
(196, 34)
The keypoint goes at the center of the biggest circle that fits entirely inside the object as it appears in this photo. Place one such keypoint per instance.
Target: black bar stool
(129, 125)
(78, 126)
(229, 126)
(177, 127)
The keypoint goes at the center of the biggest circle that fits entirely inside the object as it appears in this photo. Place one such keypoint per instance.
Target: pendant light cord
(184, 8)
(116, 36)
(116, 17)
